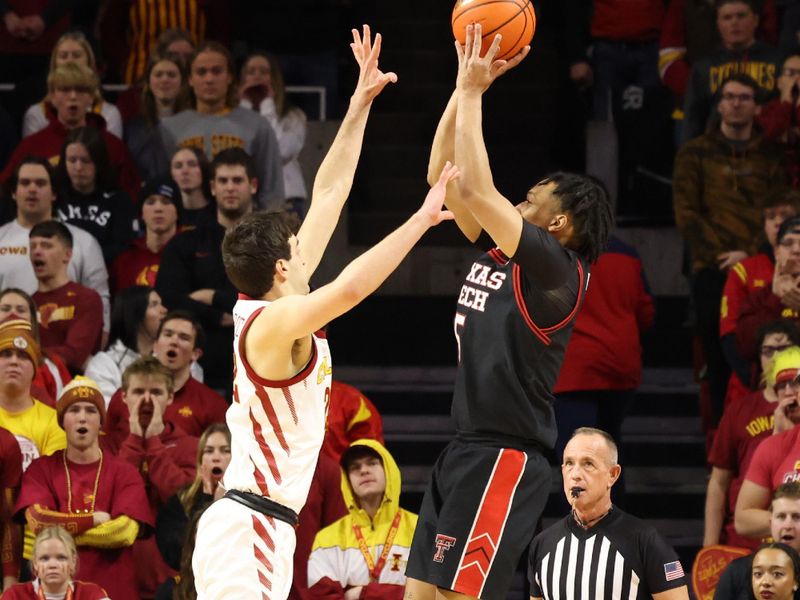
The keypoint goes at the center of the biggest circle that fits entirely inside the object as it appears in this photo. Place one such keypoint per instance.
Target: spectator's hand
(787, 414)
(14, 25)
(219, 492)
(354, 593)
(34, 27)
(255, 93)
(727, 259)
(205, 295)
(134, 425)
(8, 581)
(99, 517)
(371, 80)
(156, 426)
(581, 75)
(226, 320)
(785, 283)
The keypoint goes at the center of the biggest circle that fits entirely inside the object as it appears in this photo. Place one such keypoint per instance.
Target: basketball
(513, 19)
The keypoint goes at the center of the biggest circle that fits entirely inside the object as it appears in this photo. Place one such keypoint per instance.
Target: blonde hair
(73, 74)
(188, 494)
(57, 532)
(80, 39)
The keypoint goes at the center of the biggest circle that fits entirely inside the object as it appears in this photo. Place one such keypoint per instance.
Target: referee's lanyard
(375, 570)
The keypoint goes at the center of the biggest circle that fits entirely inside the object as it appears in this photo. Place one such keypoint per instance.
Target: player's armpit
(681, 593)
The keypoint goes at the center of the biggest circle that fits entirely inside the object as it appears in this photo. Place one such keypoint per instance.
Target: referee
(598, 551)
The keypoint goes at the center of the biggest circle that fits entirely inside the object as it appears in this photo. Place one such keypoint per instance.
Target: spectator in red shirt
(195, 406)
(138, 265)
(163, 454)
(10, 532)
(72, 90)
(54, 563)
(745, 423)
(603, 361)
(351, 416)
(70, 315)
(90, 492)
(779, 117)
(777, 458)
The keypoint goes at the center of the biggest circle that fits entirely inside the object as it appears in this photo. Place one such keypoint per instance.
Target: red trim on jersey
(266, 404)
(258, 433)
(255, 377)
(497, 256)
(287, 394)
(542, 333)
(489, 524)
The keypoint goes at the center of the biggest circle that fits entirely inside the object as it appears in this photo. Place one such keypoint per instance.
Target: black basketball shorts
(478, 516)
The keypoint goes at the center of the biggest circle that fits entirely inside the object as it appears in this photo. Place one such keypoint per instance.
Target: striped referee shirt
(619, 558)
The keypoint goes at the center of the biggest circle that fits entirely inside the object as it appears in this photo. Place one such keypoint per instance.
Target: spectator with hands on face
(780, 118)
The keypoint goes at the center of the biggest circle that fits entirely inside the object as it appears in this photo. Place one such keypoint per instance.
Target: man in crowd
(33, 191)
(33, 424)
(96, 496)
(138, 265)
(192, 277)
(218, 122)
(784, 524)
(721, 180)
(70, 315)
(634, 560)
(375, 525)
(195, 406)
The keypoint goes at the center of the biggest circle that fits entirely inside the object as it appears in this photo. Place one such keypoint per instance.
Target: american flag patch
(673, 570)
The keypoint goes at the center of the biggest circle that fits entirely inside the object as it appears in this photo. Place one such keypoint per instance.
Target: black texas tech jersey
(513, 320)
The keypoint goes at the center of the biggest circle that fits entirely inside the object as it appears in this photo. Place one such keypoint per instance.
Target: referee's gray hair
(612, 445)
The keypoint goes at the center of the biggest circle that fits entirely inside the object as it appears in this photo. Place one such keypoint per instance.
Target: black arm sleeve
(545, 262)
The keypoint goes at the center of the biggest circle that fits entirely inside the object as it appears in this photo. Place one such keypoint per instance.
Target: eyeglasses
(768, 351)
(729, 97)
(790, 72)
(794, 384)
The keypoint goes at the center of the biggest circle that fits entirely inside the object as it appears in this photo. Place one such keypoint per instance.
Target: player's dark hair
(127, 315)
(253, 246)
(233, 157)
(586, 199)
(785, 326)
(52, 229)
(789, 490)
(185, 315)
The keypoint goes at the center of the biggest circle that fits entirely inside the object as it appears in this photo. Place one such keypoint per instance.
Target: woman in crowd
(776, 572)
(90, 195)
(213, 457)
(72, 47)
(52, 374)
(54, 563)
(189, 168)
(134, 324)
(164, 93)
(263, 90)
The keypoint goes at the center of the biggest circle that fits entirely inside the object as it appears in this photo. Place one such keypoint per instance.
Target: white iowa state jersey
(277, 427)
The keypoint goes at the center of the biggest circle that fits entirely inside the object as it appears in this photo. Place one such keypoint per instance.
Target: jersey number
(458, 327)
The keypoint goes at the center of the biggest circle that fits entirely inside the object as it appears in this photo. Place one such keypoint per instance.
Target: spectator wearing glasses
(745, 423)
(777, 458)
(720, 182)
(781, 299)
(780, 118)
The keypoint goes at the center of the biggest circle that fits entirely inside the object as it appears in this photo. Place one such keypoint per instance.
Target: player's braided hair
(586, 200)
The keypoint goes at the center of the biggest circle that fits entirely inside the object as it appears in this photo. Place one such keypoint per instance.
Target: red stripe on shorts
(265, 581)
(489, 523)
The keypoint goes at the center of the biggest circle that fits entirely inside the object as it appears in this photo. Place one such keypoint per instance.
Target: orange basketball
(513, 19)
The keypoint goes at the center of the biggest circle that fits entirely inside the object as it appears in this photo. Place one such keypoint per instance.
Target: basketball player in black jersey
(513, 318)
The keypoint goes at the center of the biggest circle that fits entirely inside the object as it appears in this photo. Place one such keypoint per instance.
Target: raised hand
(431, 209)
(475, 72)
(371, 80)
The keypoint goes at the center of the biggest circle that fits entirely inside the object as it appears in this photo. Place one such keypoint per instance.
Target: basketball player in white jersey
(282, 367)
